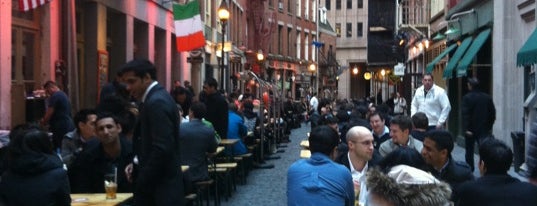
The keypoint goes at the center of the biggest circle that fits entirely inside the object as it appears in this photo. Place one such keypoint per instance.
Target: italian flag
(188, 26)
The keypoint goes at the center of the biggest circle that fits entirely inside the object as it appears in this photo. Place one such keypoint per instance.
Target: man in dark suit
(478, 116)
(360, 157)
(436, 152)
(217, 108)
(157, 165)
(495, 186)
(196, 141)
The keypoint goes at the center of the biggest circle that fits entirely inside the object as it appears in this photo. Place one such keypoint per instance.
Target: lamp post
(312, 70)
(223, 15)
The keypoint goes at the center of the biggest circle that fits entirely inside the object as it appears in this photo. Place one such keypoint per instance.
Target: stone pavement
(268, 186)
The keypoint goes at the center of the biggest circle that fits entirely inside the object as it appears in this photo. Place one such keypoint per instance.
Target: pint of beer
(110, 186)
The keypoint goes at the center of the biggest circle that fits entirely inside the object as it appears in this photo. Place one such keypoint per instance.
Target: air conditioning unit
(280, 5)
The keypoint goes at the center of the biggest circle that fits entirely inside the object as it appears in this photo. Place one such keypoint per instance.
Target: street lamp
(260, 56)
(223, 15)
(355, 70)
(312, 70)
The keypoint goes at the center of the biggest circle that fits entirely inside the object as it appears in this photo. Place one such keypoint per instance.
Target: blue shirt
(236, 130)
(319, 181)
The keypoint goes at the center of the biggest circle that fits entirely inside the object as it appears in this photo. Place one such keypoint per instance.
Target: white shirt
(435, 104)
(154, 83)
(314, 103)
(360, 177)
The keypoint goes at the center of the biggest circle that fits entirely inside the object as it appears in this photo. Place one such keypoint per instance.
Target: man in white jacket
(433, 101)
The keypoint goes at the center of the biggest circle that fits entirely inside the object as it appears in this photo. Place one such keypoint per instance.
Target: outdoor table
(98, 199)
(305, 154)
(305, 144)
(228, 142)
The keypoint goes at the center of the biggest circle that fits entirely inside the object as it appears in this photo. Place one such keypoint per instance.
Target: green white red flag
(188, 26)
(26, 5)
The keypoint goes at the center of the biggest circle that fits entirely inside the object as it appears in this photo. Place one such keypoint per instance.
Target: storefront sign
(399, 69)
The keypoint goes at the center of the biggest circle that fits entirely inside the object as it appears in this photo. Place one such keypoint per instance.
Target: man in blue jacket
(319, 180)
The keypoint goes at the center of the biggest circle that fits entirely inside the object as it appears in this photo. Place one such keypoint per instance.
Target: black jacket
(454, 174)
(35, 179)
(497, 190)
(478, 113)
(158, 176)
(87, 172)
(217, 113)
(344, 160)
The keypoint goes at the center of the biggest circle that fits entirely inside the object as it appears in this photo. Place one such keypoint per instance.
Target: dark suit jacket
(217, 113)
(478, 113)
(196, 139)
(159, 180)
(497, 190)
(344, 160)
(454, 174)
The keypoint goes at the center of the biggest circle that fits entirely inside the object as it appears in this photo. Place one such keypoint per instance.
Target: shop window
(529, 80)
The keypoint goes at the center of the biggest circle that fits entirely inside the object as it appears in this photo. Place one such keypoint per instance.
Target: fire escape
(412, 21)
(328, 68)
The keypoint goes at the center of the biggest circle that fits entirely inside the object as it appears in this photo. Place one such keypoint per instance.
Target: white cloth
(360, 177)
(153, 84)
(404, 174)
(435, 105)
(399, 105)
(314, 102)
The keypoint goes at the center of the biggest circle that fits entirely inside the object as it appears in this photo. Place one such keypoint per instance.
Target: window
(289, 42)
(349, 30)
(359, 29)
(349, 4)
(289, 6)
(338, 29)
(306, 47)
(298, 8)
(327, 4)
(298, 45)
(529, 80)
(207, 13)
(314, 11)
(280, 39)
(313, 49)
(338, 4)
(307, 10)
(270, 4)
(360, 4)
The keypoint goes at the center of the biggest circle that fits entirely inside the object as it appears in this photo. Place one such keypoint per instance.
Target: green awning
(448, 71)
(472, 51)
(528, 53)
(430, 66)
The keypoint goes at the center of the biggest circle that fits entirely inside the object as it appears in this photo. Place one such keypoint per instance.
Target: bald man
(360, 158)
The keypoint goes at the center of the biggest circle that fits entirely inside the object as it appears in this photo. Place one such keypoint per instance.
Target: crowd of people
(140, 130)
(378, 155)
(362, 153)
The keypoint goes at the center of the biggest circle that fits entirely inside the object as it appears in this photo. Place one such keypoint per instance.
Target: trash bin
(519, 139)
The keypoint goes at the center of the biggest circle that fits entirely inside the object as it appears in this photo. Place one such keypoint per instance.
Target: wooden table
(228, 142)
(305, 144)
(305, 153)
(97, 199)
(219, 150)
